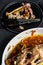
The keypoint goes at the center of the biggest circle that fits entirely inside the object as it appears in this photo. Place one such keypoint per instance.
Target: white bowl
(17, 39)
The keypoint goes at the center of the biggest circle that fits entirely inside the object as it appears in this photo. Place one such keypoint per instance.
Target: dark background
(5, 35)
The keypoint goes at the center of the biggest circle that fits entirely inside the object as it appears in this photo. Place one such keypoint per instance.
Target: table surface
(5, 35)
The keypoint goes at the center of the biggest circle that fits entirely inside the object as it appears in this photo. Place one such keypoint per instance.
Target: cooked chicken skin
(29, 51)
(27, 57)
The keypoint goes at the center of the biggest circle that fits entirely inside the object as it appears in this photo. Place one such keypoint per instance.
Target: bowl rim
(38, 28)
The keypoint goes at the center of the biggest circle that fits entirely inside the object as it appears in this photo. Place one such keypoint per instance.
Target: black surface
(5, 22)
(5, 35)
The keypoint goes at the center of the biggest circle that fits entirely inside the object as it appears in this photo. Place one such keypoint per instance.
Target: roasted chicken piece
(27, 56)
(25, 11)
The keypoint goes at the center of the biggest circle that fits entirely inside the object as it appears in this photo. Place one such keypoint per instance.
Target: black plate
(11, 6)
